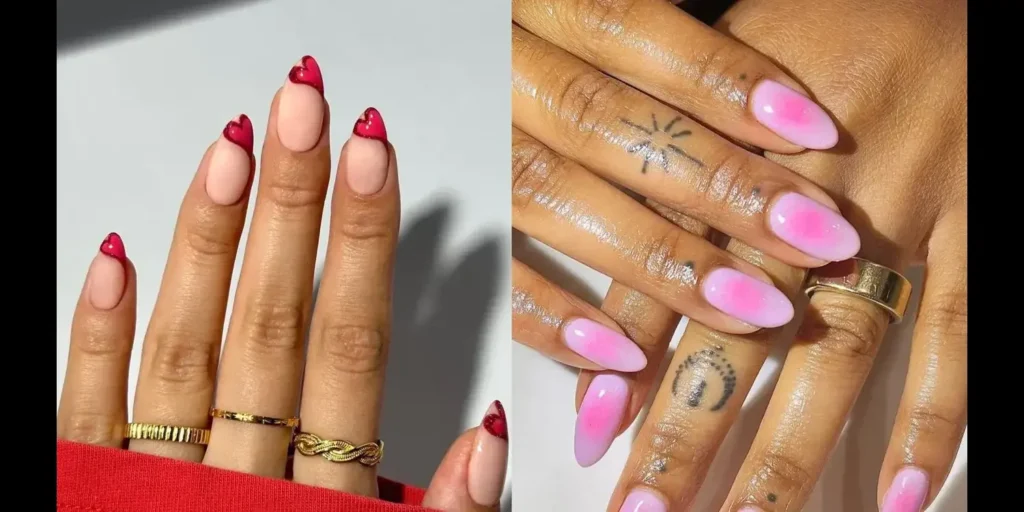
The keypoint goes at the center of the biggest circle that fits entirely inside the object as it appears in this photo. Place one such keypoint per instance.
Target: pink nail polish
(813, 228)
(301, 110)
(640, 500)
(489, 458)
(792, 116)
(231, 165)
(599, 418)
(746, 299)
(603, 346)
(908, 492)
(106, 279)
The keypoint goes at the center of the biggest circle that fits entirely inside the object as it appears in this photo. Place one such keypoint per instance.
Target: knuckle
(712, 71)
(727, 185)
(601, 19)
(275, 326)
(585, 101)
(205, 237)
(782, 472)
(946, 315)
(90, 428)
(184, 361)
(348, 349)
(293, 193)
(933, 423)
(658, 256)
(97, 341)
(364, 224)
(537, 173)
(844, 330)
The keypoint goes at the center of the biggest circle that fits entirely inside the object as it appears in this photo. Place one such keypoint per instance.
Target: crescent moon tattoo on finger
(692, 375)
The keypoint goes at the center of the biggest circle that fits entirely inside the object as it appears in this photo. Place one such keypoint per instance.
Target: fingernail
(300, 114)
(231, 162)
(640, 500)
(603, 346)
(792, 116)
(366, 157)
(107, 274)
(813, 228)
(486, 477)
(599, 418)
(750, 508)
(908, 491)
(747, 299)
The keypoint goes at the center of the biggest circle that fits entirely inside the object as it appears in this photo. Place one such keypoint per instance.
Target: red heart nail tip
(240, 132)
(370, 125)
(113, 246)
(496, 424)
(308, 73)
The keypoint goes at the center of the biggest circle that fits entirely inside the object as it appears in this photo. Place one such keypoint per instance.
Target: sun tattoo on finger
(660, 143)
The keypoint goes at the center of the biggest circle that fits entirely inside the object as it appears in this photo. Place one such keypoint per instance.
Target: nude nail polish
(366, 154)
(300, 114)
(603, 346)
(908, 491)
(486, 477)
(746, 299)
(642, 500)
(231, 162)
(106, 279)
(792, 116)
(813, 228)
(599, 418)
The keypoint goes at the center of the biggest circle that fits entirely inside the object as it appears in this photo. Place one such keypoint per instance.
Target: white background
(136, 110)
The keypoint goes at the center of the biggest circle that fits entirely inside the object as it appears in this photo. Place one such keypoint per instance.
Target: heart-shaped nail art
(495, 423)
(240, 132)
(308, 73)
(113, 246)
(370, 125)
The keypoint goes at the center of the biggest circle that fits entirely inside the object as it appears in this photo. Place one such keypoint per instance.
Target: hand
(266, 365)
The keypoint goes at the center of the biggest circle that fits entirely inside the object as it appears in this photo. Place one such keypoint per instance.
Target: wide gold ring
(877, 284)
(336, 450)
(254, 418)
(170, 433)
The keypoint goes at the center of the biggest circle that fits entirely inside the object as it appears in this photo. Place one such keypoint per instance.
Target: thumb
(472, 474)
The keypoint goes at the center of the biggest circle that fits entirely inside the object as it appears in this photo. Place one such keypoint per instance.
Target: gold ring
(368, 454)
(154, 432)
(872, 282)
(254, 418)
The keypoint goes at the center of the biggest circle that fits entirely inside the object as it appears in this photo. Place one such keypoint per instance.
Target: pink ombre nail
(813, 228)
(792, 116)
(908, 492)
(641, 500)
(603, 346)
(599, 418)
(747, 299)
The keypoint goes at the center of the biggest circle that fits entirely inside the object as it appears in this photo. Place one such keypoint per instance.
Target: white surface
(136, 112)
(542, 430)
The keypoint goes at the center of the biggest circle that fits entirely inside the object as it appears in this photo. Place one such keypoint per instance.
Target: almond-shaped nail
(300, 110)
(107, 276)
(366, 156)
(487, 463)
(792, 116)
(813, 228)
(908, 491)
(600, 416)
(642, 500)
(746, 299)
(231, 163)
(603, 346)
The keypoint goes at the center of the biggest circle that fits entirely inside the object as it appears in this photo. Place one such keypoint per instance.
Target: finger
(182, 345)
(561, 204)
(472, 475)
(351, 328)
(93, 402)
(637, 141)
(933, 411)
(824, 372)
(566, 328)
(658, 48)
(262, 362)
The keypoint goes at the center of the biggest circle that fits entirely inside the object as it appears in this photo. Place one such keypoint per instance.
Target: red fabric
(97, 479)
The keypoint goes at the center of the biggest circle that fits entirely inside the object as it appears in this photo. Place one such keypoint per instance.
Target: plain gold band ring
(870, 281)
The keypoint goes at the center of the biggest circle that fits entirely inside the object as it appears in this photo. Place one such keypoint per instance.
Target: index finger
(659, 49)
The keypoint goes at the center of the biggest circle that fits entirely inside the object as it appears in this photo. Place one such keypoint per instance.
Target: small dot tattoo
(772, 497)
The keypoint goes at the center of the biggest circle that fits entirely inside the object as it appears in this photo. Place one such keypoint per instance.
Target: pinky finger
(93, 403)
(472, 475)
(932, 415)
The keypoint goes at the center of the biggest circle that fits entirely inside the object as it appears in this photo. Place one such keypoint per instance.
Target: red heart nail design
(308, 73)
(240, 132)
(370, 125)
(496, 424)
(113, 246)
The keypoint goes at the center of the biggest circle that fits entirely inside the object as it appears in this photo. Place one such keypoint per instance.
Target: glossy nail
(813, 228)
(300, 111)
(641, 500)
(487, 463)
(599, 418)
(366, 156)
(747, 299)
(908, 491)
(107, 276)
(231, 162)
(603, 346)
(750, 508)
(792, 116)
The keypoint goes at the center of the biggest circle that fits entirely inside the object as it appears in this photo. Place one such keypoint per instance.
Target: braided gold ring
(170, 433)
(368, 454)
